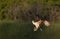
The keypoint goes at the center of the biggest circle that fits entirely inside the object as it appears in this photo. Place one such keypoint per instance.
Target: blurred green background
(16, 16)
(17, 30)
(25, 10)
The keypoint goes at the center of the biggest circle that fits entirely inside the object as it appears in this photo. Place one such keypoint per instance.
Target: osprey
(38, 24)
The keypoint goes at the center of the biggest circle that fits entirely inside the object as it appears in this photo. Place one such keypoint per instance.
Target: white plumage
(46, 23)
(37, 24)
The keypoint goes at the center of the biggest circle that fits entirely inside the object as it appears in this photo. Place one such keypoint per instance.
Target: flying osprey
(38, 21)
(38, 24)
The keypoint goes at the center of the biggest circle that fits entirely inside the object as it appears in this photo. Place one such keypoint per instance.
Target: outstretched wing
(47, 23)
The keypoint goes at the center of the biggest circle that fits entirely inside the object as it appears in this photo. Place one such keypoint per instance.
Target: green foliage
(21, 30)
(24, 9)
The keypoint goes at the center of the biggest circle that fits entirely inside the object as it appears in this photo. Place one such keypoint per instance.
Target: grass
(21, 30)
